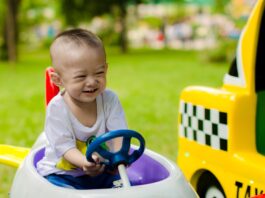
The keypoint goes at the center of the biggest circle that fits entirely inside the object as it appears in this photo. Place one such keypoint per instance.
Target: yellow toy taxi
(222, 131)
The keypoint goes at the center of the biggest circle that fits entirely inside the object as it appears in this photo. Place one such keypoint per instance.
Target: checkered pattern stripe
(203, 125)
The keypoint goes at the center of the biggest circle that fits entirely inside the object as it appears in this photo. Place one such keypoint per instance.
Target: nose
(91, 81)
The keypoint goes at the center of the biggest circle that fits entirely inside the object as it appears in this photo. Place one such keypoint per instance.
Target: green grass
(148, 83)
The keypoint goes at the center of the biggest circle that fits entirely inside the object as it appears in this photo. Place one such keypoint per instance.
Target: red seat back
(51, 89)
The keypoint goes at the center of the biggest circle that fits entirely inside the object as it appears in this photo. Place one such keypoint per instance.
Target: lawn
(148, 82)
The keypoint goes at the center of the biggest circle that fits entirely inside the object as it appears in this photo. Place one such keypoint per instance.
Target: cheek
(75, 87)
(103, 81)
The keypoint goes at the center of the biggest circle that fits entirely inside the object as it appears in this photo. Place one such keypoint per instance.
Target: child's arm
(75, 157)
(117, 143)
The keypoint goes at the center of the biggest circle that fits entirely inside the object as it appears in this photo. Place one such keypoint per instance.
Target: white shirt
(62, 129)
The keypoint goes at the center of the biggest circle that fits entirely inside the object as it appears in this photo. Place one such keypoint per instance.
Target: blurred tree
(164, 1)
(10, 31)
(2, 11)
(220, 6)
(76, 11)
(32, 12)
(39, 21)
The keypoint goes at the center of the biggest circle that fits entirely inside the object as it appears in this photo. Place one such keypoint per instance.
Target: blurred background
(155, 48)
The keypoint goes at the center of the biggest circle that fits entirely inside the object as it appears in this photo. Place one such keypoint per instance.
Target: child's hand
(93, 168)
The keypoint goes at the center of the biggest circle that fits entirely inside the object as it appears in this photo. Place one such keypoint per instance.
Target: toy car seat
(51, 89)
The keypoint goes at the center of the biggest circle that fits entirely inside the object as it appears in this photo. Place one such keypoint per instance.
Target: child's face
(83, 74)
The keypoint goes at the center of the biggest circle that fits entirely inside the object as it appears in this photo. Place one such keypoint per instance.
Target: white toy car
(152, 175)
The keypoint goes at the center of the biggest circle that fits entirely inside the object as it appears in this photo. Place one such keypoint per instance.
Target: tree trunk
(11, 30)
(123, 33)
(3, 47)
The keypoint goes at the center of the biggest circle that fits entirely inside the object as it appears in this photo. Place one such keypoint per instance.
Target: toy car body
(151, 176)
(222, 131)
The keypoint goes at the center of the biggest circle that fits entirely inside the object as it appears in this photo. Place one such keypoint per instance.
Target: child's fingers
(96, 159)
(93, 168)
(102, 168)
(88, 165)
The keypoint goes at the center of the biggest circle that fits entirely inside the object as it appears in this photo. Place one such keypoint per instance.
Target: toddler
(83, 110)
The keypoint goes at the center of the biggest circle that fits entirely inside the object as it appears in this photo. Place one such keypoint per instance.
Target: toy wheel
(214, 192)
(209, 187)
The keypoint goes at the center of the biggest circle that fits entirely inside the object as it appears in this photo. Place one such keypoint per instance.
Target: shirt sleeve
(58, 129)
(115, 115)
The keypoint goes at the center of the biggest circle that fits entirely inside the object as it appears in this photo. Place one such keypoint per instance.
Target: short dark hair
(78, 37)
(81, 36)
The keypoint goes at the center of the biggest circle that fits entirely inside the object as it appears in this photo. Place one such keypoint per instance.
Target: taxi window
(260, 61)
(235, 75)
(260, 88)
(233, 69)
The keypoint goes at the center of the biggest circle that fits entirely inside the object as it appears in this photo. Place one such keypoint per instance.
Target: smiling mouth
(90, 91)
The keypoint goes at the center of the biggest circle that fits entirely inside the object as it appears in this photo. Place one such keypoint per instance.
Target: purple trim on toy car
(145, 170)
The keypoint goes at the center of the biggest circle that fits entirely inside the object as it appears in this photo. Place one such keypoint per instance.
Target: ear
(56, 79)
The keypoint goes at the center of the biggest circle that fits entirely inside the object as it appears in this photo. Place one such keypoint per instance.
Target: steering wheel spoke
(103, 152)
(126, 144)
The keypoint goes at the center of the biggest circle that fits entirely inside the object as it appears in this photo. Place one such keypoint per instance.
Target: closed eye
(80, 76)
(101, 72)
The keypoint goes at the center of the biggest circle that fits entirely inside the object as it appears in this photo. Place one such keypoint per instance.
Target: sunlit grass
(148, 83)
